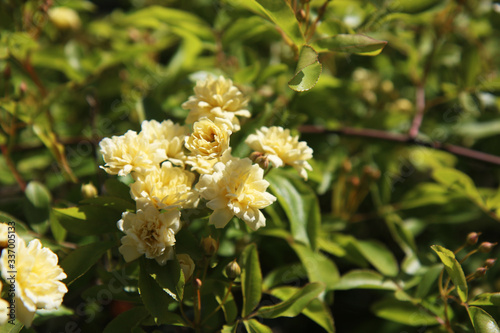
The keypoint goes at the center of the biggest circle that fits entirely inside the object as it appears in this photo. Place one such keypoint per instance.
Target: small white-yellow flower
(169, 136)
(280, 148)
(187, 265)
(149, 232)
(217, 98)
(166, 187)
(130, 152)
(38, 279)
(208, 142)
(236, 188)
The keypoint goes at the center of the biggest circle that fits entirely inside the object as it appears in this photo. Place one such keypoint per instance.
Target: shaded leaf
(364, 279)
(457, 181)
(88, 220)
(379, 256)
(428, 281)
(125, 321)
(251, 279)
(318, 267)
(412, 7)
(486, 299)
(454, 270)
(170, 277)
(403, 312)
(80, 260)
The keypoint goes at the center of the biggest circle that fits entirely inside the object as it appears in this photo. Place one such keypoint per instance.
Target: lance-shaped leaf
(482, 321)
(486, 299)
(453, 269)
(364, 279)
(293, 305)
(255, 326)
(308, 70)
(355, 43)
(251, 279)
(403, 312)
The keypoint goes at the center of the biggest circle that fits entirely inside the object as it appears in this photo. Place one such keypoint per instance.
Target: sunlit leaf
(403, 312)
(364, 279)
(251, 279)
(308, 70)
(482, 321)
(357, 44)
(454, 270)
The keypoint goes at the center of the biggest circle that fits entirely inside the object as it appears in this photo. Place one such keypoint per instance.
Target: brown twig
(404, 138)
(12, 167)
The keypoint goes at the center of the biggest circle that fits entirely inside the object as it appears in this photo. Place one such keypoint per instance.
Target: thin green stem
(221, 304)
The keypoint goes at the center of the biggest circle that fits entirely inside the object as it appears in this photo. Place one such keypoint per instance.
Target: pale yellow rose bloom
(166, 187)
(149, 232)
(217, 98)
(4, 309)
(38, 279)
(130, 152)
(169, 136)
(236, 188)
(208, 142)
(281, 148)
(187, 265)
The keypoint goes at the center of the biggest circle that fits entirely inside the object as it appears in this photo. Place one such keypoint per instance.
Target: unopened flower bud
(490, 262)
(486, 247)
(23, 87)
(209, 245)
(89, 191)
(472, 238)
(260, 159)
(197, 283)
(233, 270)
(187, 265)
(347, 166)
(64, 18)
(480, 272)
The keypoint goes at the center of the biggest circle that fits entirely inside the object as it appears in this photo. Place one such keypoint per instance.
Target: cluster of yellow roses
(166, 159)
(33, 277)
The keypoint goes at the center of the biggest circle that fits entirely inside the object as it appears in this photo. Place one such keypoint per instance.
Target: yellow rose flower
(130, 152)
(208, 142)
(166, 187)
(149, 232)
(38, 280)
(187, 265)
(236, 188)
(169, 136)
(280, 148)
(64, 18)
(217, 98)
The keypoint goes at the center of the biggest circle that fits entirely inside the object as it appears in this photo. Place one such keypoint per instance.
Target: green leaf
(284, 274)
(318, 267)
(428, 281)
(80, 260)
(280, 13)
(156, 299)
(251, 279)
(316, 310)
(308, 70)
(88, 220)
(458, 181)
(293, 305)
(229, 306)
(38, 194)
(357, 44)
(57, 229)
(300, 204)
(9, 328)
(379, 256)
(482, 321)
(116, 188)
(230, 328)
(125, 321)
(331, 247)
(453, 269)
(412, 7)
(170, 277)
(115, 203)
(364, 279)
(403, 312)
(254, 326)
(486, 299)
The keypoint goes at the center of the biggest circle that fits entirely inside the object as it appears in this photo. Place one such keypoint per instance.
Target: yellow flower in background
(64, 18)
(169, 136)
(187, 265)
(217, 98)
(4, 309)
(208, 142)
(166, 187)
(130, 152)
(280, 148)
(236, 188)
(149, 232)
(38, 280)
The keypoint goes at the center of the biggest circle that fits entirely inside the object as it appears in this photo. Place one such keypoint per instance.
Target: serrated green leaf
(294, 305)
(482, 321)
(254, 326)
(300, 204)
(125, 321)
(403, 312)
(80, 260)
(454, 270)
(251, 279)
(318, 267)
(308, 70)
(357, 44)
(364, 279)
(486, 299)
